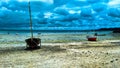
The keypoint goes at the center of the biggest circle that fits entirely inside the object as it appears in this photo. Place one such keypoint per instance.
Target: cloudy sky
(70, 14)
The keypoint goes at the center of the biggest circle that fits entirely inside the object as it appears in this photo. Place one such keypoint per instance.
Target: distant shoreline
(46, 30)
(54, 31)
(58, 30)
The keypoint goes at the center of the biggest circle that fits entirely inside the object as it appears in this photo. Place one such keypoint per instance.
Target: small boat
(91, 38)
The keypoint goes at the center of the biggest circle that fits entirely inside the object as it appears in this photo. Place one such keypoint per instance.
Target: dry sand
(82, 54)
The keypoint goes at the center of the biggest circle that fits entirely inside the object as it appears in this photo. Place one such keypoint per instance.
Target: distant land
(63, 30)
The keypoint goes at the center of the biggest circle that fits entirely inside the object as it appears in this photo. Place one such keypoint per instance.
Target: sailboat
(32, 43)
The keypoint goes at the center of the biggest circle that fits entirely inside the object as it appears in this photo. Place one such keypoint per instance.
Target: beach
(60, 50)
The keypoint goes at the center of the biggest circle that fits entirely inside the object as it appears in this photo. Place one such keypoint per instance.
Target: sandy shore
(104, 53)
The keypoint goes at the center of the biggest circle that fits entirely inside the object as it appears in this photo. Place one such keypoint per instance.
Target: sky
(60, 14)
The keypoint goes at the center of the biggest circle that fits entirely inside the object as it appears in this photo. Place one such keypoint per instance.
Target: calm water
(53, 31)
(53, 36)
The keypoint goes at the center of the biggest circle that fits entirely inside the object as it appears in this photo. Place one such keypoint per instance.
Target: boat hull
(33, 43)
(92, 39)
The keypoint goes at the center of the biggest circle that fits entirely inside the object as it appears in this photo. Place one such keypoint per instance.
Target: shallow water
(54, 37)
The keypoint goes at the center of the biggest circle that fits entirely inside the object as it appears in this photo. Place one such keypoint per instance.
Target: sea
(53, 32)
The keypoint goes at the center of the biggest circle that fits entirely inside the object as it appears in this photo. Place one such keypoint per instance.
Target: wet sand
(73, 52)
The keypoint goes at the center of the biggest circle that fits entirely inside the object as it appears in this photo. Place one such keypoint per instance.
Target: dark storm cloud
(63, 13)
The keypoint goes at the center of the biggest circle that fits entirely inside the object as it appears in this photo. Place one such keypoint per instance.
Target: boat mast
(31, 29)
